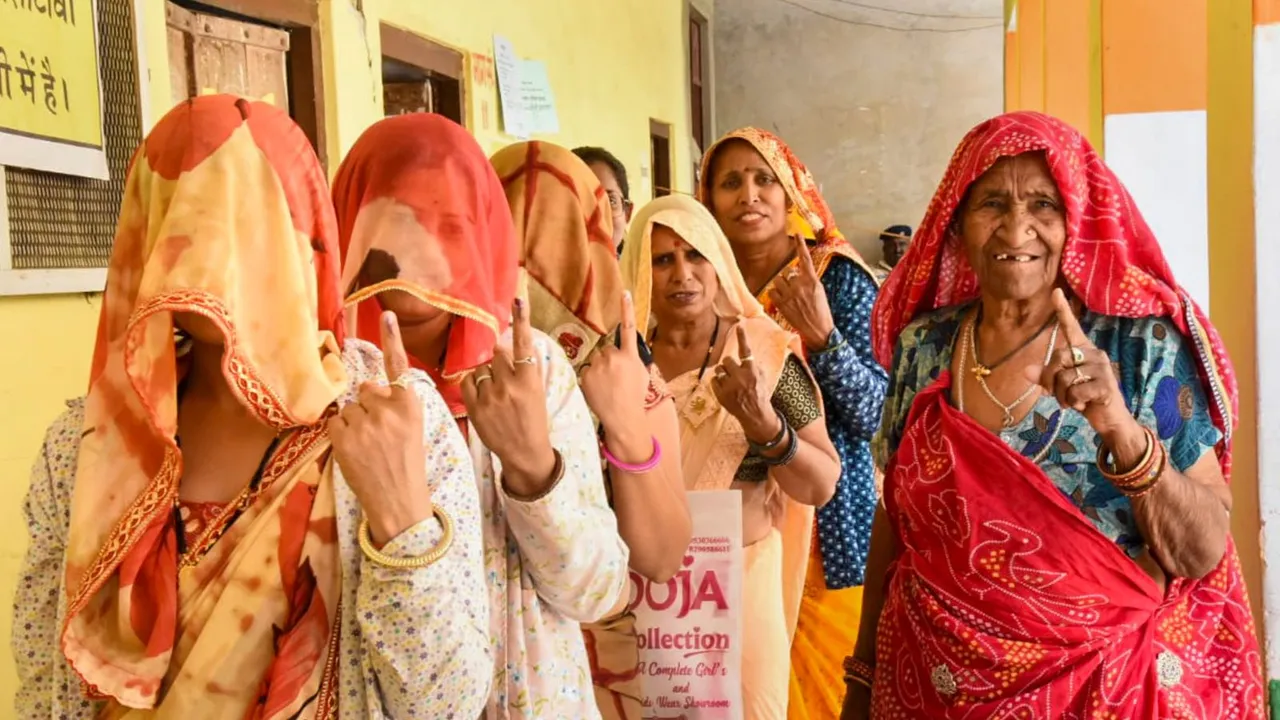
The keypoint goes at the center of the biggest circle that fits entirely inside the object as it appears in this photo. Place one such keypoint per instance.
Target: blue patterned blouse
(1157, 373)
(853, 387)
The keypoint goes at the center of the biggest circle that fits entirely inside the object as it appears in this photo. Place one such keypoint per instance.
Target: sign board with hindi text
(50, 87)
(690, 627)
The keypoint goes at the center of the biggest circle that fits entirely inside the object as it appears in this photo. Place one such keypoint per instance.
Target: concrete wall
(612, 67)
(874, 112)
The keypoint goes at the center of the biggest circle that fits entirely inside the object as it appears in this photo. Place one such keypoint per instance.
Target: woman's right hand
(507, 406)
(615, 380)
(857, 702)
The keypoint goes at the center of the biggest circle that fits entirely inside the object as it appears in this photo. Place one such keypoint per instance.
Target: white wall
(1266, 179)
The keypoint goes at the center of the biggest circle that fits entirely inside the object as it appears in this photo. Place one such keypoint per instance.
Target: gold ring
(481, 378)
(531, 360)
(792, 274)
(404, 381)
(1077, 356)
(747, 359)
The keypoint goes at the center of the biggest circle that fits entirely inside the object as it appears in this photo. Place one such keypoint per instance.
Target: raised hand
(800, 297)
(739, 386)
(377, 441)
(1080, 377)
(615, 380)
(507, 405)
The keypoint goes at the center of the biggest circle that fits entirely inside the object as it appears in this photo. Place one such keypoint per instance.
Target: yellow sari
(712, 447)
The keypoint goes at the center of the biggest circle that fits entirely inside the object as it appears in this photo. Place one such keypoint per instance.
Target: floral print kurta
(550, 564)
(413, 644)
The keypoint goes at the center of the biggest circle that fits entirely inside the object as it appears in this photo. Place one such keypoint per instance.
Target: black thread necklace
(180, 526)
(715, 335)
(981, 369)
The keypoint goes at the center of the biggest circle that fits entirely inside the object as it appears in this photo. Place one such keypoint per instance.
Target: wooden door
(209, 54)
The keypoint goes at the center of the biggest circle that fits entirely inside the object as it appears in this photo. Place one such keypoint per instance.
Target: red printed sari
(1004, 601)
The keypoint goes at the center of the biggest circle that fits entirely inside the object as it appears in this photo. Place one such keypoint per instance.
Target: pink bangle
(641, 468)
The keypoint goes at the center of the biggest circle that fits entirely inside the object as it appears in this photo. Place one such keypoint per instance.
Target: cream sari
(712, 446)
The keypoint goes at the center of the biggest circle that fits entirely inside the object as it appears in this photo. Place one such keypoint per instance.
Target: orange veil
(225, 216)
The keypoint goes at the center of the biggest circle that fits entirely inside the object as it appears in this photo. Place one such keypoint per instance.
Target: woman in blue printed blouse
(813, 282)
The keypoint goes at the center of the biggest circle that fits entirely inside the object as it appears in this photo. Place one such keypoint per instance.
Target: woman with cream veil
(751, 419)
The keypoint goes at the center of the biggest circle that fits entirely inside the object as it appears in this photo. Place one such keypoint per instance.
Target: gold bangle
(408, 563)
(851, 679)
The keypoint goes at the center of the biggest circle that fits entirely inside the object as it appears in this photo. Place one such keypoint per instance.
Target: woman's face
(620, 206)
(684, 281)
(1014, 227)
(746, 197)
(407, 246)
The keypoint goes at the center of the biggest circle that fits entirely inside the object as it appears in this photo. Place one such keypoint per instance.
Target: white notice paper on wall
(515, 118)
(539, 103)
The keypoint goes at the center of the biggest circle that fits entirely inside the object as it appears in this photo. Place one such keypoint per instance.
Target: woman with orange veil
(810, 280)
(242, 519)
(426, 232)
(562, 217)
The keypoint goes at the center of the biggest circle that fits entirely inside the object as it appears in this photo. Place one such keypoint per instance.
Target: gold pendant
(981, 371)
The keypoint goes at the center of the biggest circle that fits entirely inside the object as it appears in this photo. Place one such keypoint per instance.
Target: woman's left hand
(800, 297)
(739, 386)
(1080, 376)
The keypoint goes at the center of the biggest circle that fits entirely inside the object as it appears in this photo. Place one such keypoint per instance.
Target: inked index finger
(744, 347)
(521, 331)
(627, 327)
(1071, 329)
(394, 357)
(806, 258)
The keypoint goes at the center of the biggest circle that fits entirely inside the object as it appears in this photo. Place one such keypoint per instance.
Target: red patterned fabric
(1005, 602)
(1111, 261)
(1043, 617)
(419, 188)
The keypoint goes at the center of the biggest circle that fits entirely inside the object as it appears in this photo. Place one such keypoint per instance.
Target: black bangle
(760, 449)
(792, 448)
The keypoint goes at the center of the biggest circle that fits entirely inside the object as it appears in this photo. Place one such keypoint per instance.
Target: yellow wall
(1144, 57)
(612, 67)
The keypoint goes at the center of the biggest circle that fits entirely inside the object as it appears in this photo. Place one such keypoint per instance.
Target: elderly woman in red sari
(1055, 537)
(211, 535)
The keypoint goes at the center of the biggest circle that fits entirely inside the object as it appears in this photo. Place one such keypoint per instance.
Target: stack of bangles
(858, 671)
(634, 469)
(1144, 476)
(788, 435)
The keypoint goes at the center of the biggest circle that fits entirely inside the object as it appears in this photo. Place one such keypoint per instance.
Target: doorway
(419, 75)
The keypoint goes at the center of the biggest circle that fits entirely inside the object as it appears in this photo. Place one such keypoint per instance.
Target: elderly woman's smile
(1013, 227)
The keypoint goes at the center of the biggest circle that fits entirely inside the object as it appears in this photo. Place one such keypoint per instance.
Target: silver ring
(1080, 378)
(1077, 356)
(747, 359)
(531, 360)
(481, 378)
(404, 381)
